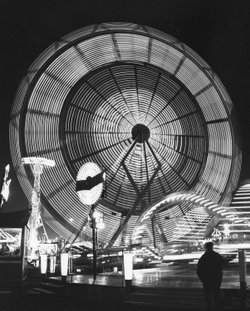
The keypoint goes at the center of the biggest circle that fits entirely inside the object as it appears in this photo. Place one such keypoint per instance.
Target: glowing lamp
(52, 264)
(98, 220)
(128, 267)
(6, 184)
(43, 265)
(37, 160)
(64, 264)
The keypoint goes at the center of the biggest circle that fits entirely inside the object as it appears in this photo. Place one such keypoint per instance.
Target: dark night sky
(218, 30)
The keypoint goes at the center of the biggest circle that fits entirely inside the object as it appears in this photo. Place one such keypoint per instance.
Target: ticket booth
(13, 248)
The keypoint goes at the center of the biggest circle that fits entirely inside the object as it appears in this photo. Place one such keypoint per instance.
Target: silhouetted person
(209, 271)
(4, 249)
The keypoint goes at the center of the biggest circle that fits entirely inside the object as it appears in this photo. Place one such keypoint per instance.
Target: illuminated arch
(170, 208)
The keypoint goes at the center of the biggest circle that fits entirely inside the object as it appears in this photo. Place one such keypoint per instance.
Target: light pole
(43, 264)
(90, 186)
(94, 240)
(64, 263)
(243, 284)
(128, 268)
(96, 223)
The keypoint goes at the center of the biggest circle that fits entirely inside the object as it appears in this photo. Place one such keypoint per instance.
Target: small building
(13, 248)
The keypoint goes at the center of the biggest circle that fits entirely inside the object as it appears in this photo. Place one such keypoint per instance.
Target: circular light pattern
(90, 196)
(137, 102)
(122, 107)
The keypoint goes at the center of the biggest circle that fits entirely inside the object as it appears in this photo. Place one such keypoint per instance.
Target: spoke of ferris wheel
(170, 101)
(99, 151)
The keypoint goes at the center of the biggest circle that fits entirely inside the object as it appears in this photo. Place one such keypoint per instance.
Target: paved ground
(162, 276)
(168, 288)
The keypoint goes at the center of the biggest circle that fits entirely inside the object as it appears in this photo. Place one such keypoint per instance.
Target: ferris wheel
(139, 103)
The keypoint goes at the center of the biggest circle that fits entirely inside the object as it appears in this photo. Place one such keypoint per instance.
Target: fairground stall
(13, 248)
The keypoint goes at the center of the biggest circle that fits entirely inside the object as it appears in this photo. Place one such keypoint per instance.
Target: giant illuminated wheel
(140, 104)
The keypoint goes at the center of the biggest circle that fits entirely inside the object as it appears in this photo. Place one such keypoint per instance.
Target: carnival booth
(13, 248)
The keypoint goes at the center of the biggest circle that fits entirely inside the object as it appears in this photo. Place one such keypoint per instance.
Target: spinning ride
(140, 104)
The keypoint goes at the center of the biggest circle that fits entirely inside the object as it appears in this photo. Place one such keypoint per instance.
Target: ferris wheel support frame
(139, 193)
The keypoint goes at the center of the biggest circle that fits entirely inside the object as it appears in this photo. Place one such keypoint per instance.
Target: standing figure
(209, 271)
(4, 249)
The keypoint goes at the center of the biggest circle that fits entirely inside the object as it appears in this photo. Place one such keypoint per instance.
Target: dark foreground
(55, 295)
(163, 288)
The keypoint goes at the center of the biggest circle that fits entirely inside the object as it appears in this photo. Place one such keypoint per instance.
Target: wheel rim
(89, 96)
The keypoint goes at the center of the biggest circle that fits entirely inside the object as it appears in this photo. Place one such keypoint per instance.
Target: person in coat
(210, 272)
